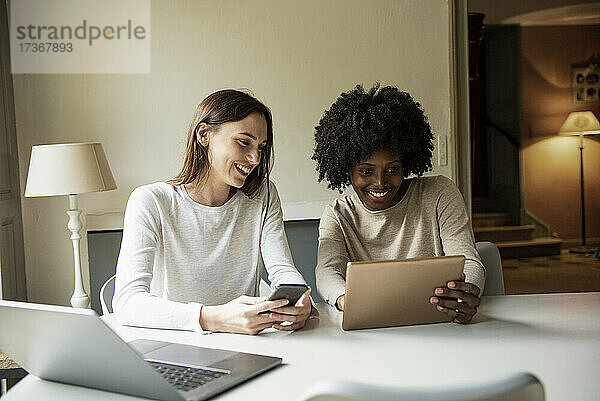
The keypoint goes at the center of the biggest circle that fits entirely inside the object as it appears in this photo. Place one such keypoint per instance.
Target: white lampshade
(580, 123)
(68, 169)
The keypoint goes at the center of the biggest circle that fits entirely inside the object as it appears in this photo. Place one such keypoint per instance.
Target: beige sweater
(430, 220)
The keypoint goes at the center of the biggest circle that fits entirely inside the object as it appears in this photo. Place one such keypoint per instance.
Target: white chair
(490, 256)
(521, 386)
(107, 291)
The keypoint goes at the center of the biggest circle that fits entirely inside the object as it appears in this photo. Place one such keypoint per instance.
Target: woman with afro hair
(374, 140)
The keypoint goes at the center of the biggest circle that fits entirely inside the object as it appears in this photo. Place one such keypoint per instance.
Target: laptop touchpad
(188, 354)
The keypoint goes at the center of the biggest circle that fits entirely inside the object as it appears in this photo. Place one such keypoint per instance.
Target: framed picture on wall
(585, 82)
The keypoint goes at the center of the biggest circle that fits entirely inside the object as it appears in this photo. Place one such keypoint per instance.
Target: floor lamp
(70, 169)
(581, 123)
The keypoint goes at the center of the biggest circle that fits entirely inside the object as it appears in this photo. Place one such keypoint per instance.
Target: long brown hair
(218, 108)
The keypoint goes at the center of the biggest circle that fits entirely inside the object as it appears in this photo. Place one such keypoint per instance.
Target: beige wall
(295, 55)
(550, 162)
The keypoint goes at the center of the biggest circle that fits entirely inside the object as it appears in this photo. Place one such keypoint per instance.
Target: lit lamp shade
(68, 169)
(580, 123)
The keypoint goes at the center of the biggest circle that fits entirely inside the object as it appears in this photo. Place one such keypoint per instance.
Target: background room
(526, 175)
(296, 56)
(499, 81)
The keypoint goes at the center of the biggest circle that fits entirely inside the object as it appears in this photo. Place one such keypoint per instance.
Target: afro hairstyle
(360, 123)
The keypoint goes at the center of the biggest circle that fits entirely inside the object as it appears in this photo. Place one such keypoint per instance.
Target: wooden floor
(561, 273)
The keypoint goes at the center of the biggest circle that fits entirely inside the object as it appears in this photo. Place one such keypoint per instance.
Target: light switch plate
(442, 150)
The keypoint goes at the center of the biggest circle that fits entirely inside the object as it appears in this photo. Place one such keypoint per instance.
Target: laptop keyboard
(185, 378)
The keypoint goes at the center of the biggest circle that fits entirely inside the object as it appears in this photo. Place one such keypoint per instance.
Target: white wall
(297, 56)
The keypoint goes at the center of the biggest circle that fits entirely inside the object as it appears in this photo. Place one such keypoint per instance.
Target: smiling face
(234, 150)
(377, 180)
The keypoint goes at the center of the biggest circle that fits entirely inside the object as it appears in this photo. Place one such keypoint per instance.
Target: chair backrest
(106, 295)
(520, 386)
(490, 256)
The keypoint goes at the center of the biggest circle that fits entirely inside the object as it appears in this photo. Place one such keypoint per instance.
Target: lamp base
(583, 249)
(80, 301)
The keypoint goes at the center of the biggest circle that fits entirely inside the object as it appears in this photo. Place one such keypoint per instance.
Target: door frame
(459, 93)
(11, 219)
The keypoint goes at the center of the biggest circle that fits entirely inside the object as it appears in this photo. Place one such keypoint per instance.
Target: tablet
(396, 292)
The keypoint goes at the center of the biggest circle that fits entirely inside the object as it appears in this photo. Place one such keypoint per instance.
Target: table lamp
(70, 169)
(581, 123)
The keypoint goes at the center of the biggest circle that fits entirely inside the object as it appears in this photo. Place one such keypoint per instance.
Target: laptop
(74, 346)
(396, 292)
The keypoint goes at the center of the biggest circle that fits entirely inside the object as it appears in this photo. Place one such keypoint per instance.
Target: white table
(554, 336)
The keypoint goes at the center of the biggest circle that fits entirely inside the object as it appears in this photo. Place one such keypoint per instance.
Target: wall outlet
(442, 150)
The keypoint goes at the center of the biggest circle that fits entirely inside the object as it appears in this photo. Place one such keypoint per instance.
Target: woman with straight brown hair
(191, 247)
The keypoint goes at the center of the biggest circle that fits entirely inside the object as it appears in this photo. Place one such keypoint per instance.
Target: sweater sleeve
(332, 258)
(456, 232)
(133, 303)
(274, 246)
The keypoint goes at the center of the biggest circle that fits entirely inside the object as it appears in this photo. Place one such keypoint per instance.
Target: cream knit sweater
(430, 220)
(177, 255)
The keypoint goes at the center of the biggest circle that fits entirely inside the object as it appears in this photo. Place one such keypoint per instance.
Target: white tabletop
(555, 336)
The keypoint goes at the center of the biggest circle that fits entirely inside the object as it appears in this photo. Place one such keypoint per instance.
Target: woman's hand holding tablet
(458, 299)
(340, 302)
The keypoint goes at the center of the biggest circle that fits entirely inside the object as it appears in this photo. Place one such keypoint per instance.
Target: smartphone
(291, 292)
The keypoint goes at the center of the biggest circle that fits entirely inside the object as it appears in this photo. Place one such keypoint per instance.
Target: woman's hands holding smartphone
(242, 315)
(251, 315)
(295, 314)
